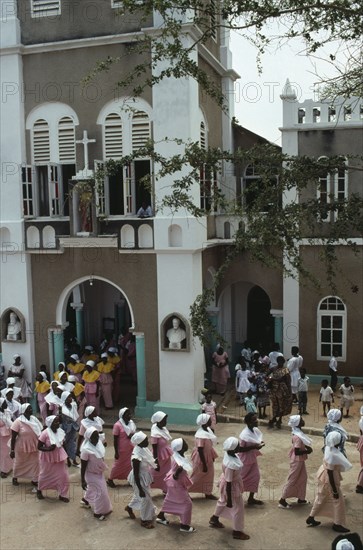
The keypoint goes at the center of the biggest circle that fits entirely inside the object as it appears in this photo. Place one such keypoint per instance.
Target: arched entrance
(94, 311)
(260, 326)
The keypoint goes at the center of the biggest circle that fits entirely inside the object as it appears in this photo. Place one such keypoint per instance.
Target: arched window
(175, 235)
(113, 136)
(332, 326)
(127, 236)
(140, 130)
(66, 140)
(41, 141)
(332, 188)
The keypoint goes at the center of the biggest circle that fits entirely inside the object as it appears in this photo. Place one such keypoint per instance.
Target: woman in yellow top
(91, 381)
(42, 388)
(105, 367)
(75, 367)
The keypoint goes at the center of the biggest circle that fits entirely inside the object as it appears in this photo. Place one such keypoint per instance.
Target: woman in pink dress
(42, 388)
(177, 500)
(295, 485)
(92, 385)
(250, 442)
(90, 420)
(329, 499)
(122, 431)
(359, 487)
(53, 470)
(13, 406)
(25, 431)
(203, 457)
(105, 367)
(162, 452)
(92, 478)
(230, 503)
(6, 463)
(220, 370)
(210, 407)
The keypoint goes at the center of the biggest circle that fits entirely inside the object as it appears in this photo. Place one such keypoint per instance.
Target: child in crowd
(347, 399)
(242, 380)
(250, 402)
(210, 407)
(262, 391)
(326, 396)
(302, 391)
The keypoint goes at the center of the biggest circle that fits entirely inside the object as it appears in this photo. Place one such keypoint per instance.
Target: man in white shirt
(333, 371)
(144, 211)
(294, 364)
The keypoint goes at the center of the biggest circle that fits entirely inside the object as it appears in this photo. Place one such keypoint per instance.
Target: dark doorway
(260, 324)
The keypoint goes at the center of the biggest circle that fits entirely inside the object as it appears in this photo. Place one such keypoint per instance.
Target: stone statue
(14, 327)
(176, 335)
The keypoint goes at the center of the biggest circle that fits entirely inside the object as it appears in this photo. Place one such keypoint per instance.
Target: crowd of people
(70, 432)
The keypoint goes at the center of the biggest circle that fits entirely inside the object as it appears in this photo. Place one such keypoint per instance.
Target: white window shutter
(113, 137)
(140, 130)
(41, 143)
(66, 140)
(42, 8)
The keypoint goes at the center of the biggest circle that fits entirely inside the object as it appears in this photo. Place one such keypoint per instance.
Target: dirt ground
(27, 523)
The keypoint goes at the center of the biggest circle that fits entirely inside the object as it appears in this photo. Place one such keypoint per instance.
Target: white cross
(85, 141)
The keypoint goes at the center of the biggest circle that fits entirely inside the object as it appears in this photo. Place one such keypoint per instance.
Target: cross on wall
(85, 141)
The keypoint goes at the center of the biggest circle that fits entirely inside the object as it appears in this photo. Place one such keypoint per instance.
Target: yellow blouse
(92, 376)
(106, 368)
(42, 387)
(78, 389)
(114, 360)
(77, 368)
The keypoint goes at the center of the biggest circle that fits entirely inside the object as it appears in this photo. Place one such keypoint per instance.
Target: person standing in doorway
(333, 370)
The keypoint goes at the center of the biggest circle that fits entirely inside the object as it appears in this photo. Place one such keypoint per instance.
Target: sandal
(147, 524)
(100, 517)
(254, 501)
(340, 528)
(189, 530)
(215, 523)
(129, 510)
(311, 522)
(240, 535)
(84, 503)
(162, 521)
(111, 483)
(63, 499)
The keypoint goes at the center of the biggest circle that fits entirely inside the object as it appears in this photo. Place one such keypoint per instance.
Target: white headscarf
(103, 355)
(129, 428)
(344, 544)
(251, 436)
(10, 380)
(232, 462)
(75, 357)
(177, 445)
(202, 419)
(360, 424)
(72, 411)
(294, 421)
(160, 432)
(6, 415)
(55, 438)
(142, 454)
(332, 455)
(51, 397)
(158, 416)
(96, 422)
(43, 375)
(33, 422)
(88, 447)
(137, 438)
(333, 416)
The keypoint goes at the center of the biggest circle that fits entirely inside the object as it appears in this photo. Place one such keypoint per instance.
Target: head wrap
(332, 455)
(333, 415)
(55, 438)
(2, 399)
(294, 421)
(49, 420)
(91, 363)
(202, 419)
(43, 375)
(344, 544)
(62, 373)
(11, 390)
(70, 411)
(10, 380)
(130, 427)
(230, 444)
(138, 438)
(237, 367)
(88, 447)
(64, 396)
(112, 350)
(89, 410)
(61, 363)
(16, 355)
(88, 348)
(75, 357)
(158, 416)
(251, 436)
(177, 445)
(33, 422)
(229, 461)
(103, 355)
(5, 416)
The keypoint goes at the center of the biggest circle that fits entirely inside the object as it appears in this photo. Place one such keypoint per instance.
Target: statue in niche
(176, 335)
(14, 327)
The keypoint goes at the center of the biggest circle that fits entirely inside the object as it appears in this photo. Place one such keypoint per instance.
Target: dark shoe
(359, 489)
(211, 497)
(240, 535)
(253, 501)
(35, 483)
(270, 424)
(215, 523)
(63, 499)
(40, 495)
(111, 483)
(340, 528)
(15, 481)
(306, 412)
(299, 501)
(130, 512)
(278, 425)
(3, 475)
(311, 522)
(283, 504)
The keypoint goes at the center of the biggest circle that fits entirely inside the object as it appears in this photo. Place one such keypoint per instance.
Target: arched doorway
(93, 311)
(260, 326)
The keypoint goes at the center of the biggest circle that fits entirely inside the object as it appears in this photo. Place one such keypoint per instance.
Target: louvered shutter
(45, 7)
(203, 137)
(66, 140)
(41, 143)
(140, 130)
(113, 136)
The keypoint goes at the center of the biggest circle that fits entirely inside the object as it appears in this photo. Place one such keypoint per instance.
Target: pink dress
(220, 372)
(177, 500)
(53, 470)
(26, 461)
(295, 485)
(210, 408)
(202, 482)
(122, 465)
(96, 493)
(106, 381)
(250, 471)
(164, 458)
(42, 405)
(360, 449)
(236, 513)
(90, 389)
(6, 463)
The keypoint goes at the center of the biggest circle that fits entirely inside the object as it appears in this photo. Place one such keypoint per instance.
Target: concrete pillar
(58, 345)
(140, 366)
(278, 327)
(78, 307)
